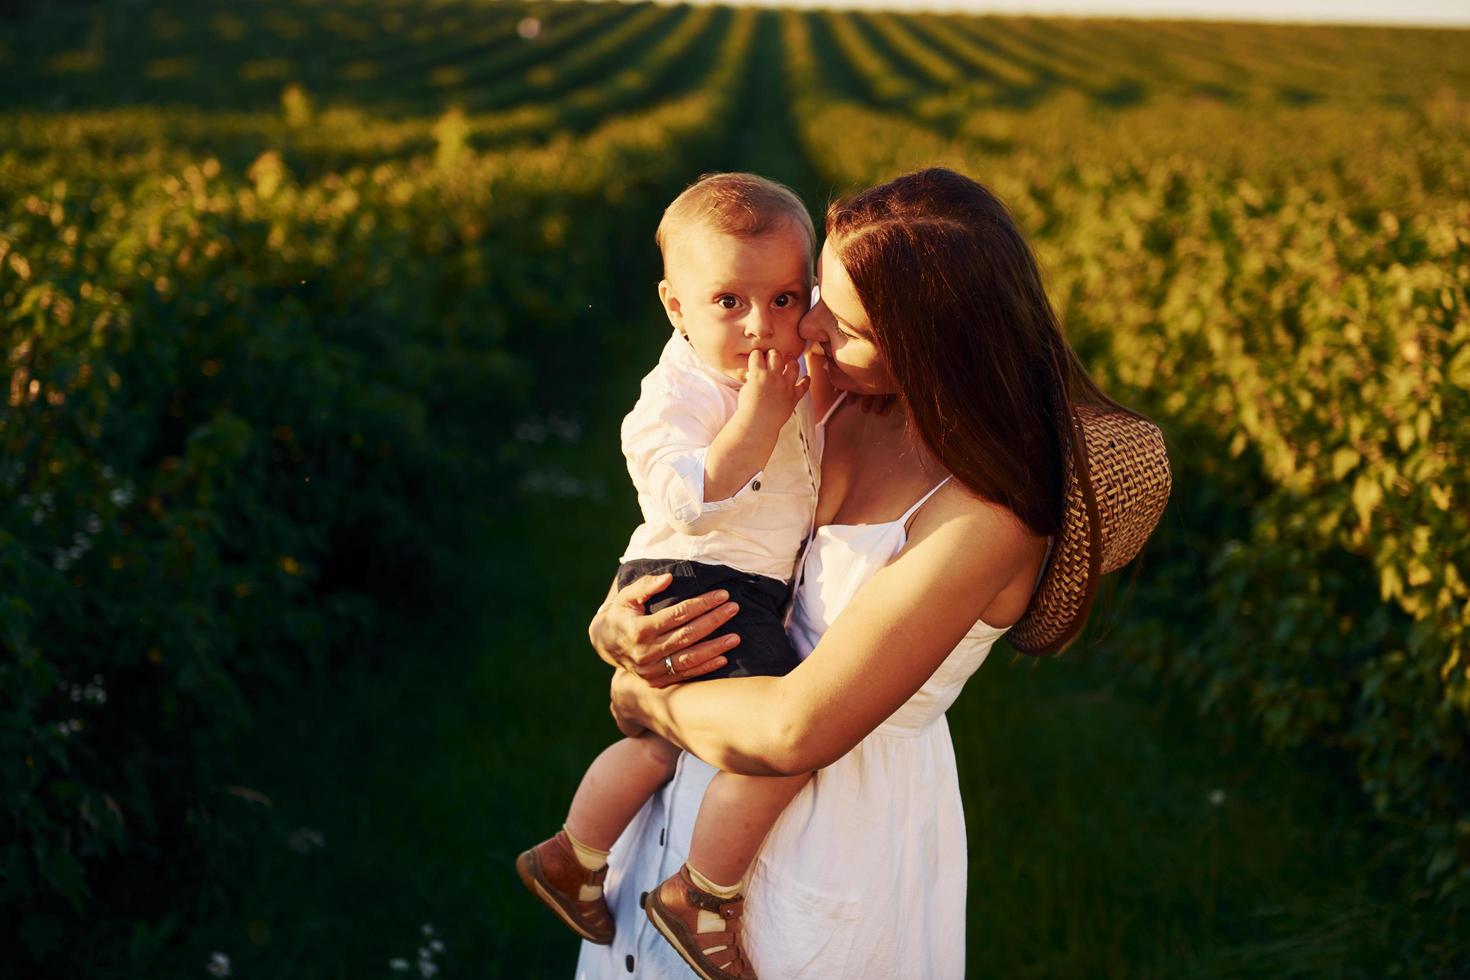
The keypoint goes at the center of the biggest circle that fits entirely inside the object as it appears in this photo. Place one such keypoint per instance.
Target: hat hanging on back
(1117, 483)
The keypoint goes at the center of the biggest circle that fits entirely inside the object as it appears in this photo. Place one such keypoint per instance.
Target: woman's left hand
(668, 646)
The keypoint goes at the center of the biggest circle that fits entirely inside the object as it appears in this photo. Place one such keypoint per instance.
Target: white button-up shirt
(760, 529)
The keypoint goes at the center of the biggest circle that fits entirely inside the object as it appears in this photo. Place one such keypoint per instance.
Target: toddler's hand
(773, 386)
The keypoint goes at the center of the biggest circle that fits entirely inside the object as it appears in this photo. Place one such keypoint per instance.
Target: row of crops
(278, 279)
(402, 58)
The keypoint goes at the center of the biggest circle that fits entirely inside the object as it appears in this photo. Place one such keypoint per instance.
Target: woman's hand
(667, 646)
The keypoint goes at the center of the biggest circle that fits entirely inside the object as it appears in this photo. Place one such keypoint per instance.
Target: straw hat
(1117, 483)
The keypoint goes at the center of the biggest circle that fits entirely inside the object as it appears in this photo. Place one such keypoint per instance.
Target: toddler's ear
(671, 304)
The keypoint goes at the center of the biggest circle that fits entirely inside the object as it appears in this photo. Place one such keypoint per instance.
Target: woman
(933, 524)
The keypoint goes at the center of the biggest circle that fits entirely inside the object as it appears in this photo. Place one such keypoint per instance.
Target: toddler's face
(731, 295)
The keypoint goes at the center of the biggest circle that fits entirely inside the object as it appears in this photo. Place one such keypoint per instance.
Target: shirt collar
(679, 351)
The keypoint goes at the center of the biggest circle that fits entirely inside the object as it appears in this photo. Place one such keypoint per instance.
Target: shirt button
(756, 485)
(643, 900)
(629, 962)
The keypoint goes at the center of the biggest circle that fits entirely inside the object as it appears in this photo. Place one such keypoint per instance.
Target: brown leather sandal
(674, 909)
(553, 874)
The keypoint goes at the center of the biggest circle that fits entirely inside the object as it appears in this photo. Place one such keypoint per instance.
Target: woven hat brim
(1062, 601)
(1117, 458)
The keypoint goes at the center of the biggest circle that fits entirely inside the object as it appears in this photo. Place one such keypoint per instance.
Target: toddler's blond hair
(745, 205)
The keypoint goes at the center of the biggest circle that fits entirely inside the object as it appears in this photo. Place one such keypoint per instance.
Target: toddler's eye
(785, 300)
(728, 302)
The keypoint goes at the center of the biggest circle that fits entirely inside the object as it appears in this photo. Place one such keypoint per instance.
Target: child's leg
(736, 815)
(705, 929)
(616, 786)
(566, 871)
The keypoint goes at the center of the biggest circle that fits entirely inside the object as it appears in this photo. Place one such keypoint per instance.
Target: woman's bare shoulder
(954, 505)
(971, 537)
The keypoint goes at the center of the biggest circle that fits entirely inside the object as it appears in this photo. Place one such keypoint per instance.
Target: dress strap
(832, 407)
(908, 514)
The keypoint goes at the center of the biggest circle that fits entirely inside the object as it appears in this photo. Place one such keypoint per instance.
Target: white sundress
(864, 873)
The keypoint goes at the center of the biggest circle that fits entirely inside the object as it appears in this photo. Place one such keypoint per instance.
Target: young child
(716, 452)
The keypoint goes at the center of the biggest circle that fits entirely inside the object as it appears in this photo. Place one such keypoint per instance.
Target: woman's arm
(884, 646)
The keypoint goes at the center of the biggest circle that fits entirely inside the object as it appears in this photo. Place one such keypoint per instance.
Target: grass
(1110, 835)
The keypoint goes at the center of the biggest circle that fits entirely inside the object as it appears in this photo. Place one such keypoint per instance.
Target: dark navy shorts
(764, 650)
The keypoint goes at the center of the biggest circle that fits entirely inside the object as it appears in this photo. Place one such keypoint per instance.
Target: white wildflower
(304, 840)
(567, 430)
(398, 964)
(218, 965)
(1217, 797)
(530, 431)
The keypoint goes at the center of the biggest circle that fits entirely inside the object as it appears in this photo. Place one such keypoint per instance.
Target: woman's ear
(671, 304)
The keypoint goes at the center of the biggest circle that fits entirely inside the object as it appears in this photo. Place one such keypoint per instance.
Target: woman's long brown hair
(956, 301)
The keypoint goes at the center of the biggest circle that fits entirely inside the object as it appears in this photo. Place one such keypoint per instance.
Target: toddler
(717, 455)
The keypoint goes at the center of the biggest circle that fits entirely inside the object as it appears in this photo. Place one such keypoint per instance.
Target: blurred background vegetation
(320, 317)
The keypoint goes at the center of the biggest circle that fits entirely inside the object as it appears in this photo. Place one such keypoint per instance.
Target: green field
(320, 320)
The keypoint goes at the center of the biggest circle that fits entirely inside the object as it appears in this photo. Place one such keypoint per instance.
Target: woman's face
(838, 325)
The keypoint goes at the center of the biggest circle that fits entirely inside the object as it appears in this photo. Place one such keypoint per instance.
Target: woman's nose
(810, 325)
